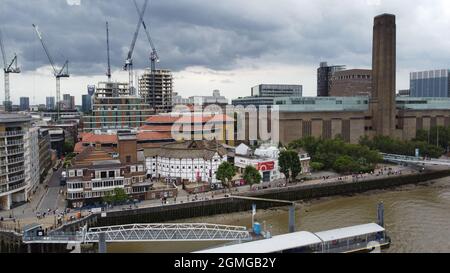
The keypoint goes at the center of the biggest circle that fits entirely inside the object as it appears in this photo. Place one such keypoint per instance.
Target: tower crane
(129, 61)
(154, 58)
(108, 73)
(8, 68)
(62, 73)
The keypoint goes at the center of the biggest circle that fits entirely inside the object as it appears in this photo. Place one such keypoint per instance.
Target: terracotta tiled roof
(92, 138)
(156, 128)
(154, 135)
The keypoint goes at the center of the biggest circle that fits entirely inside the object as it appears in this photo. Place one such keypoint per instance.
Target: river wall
(11, 242)
(231, 205)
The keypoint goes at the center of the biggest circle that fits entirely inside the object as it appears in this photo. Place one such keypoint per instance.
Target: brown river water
(417, 219)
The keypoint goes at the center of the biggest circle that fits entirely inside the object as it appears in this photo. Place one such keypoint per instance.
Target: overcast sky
(230, 45)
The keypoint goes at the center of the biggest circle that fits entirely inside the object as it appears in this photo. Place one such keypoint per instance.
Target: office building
(50, 103)
(352, 82)
(265, 94)
(277, 90)
(434, 83)
(159, 100)
(68, 102)
(24, 104)
(324, 75)
(86, 104)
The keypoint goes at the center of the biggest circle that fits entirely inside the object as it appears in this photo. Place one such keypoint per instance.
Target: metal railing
(149, 232)
(11, 161)
(12, 133)
(12, 152)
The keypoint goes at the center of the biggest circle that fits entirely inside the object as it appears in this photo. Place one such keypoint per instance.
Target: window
(140, 168)
(103, 174)
(133, 169)
(112, 174)
(128, 158)
(79, 172)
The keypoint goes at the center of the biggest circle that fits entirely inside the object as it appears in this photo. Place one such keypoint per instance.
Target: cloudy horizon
(229, 45)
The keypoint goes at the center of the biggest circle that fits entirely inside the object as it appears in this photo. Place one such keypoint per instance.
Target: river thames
(417, 219)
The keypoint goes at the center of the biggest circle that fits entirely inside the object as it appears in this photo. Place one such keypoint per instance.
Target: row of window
(107, 184)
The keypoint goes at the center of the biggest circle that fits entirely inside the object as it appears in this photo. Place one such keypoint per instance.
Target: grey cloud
(213, 34)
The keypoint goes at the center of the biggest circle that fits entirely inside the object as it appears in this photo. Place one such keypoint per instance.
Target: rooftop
(7, 118)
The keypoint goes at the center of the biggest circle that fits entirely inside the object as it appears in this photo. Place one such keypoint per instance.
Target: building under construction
(160, 100)
(113, 108)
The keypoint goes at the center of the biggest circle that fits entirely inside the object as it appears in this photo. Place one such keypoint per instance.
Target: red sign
(266, 166)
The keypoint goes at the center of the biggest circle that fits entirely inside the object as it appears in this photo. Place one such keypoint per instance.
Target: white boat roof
(274, 244)
(296, 240)
(348, 232)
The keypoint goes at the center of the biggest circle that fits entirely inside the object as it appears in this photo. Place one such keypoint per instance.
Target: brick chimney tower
(383, 106)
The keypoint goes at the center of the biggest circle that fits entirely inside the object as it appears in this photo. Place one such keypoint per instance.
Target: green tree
(120, 196)
(252, 175)
(289, 164)
(225, 173)
(346, 164)
(316, 166)
(68, 147)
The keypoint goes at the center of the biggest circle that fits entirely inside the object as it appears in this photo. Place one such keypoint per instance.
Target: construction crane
(154, 58)
(129, 61)
(108, 73)
(62, 73)
(10, 67)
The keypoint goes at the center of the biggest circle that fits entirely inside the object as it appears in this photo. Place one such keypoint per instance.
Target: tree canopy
(336, 154)
(119, 197)
(252, 175)
(289, 164)
(394, 146)
(225, 173)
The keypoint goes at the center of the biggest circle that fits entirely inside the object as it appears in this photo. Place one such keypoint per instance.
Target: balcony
(12, 161)
(17, 178)
(7, 188)
(12, 152)
(12, 134)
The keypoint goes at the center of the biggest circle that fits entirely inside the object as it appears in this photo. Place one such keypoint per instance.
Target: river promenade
(28, 216)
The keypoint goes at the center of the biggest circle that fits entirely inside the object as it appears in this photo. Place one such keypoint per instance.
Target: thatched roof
(188, 150)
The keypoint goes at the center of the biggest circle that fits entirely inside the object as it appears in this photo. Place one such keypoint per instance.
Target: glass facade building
(24, 104)
(430, 84)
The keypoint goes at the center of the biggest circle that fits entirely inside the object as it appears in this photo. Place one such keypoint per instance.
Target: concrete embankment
(10, 242)
(231, 205)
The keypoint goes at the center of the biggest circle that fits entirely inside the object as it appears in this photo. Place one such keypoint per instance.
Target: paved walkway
(51, 199)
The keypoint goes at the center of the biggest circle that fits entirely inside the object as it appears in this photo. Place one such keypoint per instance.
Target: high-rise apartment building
(68, 102)
(50, 103)
(24, 104)
(159, 99)
(434, 83)
(15, 142)
(324, 75)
